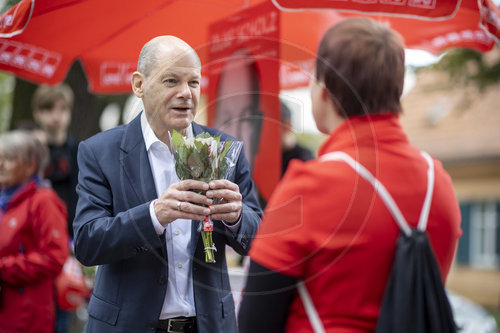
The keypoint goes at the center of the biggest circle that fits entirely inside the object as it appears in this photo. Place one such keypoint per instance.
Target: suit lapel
(135, 162)
(197, 129)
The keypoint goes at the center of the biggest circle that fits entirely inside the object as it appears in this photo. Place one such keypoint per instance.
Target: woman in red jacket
(33, 237)
(325, 224)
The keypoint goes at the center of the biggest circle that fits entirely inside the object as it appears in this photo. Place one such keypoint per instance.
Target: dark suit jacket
(113, 229)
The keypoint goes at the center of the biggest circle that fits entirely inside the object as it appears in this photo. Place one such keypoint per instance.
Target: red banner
(490, 18)
(243, 89)
(13, 21)
(426, 9)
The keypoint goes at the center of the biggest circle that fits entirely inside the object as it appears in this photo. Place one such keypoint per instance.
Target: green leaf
(181, 156)
(183, 152)
(222, 170)
(198, 145)
(207, 174)
(203, 135)
(225, 150)
(177, 140)
(196, 164)
(182, 171)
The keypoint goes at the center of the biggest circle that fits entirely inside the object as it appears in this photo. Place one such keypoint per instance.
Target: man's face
(171, 92)
(55, 119)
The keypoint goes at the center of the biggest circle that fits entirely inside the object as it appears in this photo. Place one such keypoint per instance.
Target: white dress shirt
(179, 299)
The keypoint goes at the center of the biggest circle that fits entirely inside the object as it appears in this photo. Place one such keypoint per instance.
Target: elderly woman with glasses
(33, 236)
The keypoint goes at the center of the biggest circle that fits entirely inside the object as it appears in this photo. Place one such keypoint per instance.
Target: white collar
(149, 135)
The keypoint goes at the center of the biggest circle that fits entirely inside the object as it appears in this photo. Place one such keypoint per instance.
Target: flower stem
(208, 245)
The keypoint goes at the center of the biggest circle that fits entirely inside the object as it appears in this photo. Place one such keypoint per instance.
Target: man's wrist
(154, 219)
(234, 227)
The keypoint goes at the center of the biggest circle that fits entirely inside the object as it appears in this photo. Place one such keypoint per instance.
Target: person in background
(33, 237)
(34, 129)
(327, 226)
(140, 224)
(52, 107)
(290, 148)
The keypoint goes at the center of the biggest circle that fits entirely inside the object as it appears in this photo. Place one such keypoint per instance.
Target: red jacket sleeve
(46, 256)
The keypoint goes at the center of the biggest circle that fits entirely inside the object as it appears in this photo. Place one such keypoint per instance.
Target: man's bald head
(163, 46)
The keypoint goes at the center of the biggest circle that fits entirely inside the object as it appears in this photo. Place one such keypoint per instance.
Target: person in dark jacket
(52, 107)
(290, 148)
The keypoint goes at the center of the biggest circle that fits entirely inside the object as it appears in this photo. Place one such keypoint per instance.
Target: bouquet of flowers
(204, 158)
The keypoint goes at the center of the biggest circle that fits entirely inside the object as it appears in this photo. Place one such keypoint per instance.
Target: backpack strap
(312, 314)
(424, 213)
(384, 194)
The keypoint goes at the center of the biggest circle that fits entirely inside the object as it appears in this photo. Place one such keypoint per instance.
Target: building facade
(460, 125)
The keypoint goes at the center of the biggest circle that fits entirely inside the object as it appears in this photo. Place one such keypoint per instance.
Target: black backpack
(415, 299)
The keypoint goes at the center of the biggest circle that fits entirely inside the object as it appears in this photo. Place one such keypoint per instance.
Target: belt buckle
(170, 328)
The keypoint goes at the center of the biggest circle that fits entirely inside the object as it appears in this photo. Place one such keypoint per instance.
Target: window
(484, 247)
(479, 245)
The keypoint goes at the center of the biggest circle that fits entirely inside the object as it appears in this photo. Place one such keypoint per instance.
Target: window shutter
(463, 251)
(498, 233)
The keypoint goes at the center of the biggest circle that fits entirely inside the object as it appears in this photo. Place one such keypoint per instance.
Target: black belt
(177, 325)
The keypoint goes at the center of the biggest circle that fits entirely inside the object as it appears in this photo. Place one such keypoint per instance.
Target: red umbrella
(40, 40)
(44, 38)
(432, 25)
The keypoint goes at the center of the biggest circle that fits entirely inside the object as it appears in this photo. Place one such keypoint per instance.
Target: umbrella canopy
(431, 25)
(44, 38)
(40, 40)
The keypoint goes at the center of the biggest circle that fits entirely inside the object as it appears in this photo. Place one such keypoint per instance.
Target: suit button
(162, 280)
(152, 326)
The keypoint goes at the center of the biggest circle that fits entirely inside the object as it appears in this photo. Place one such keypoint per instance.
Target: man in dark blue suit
(139, 223)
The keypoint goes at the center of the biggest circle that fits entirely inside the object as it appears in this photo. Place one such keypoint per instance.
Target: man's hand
(227, 201)
(178, 202)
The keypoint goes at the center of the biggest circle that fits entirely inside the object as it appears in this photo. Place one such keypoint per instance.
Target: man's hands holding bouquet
(203, 165)
(222, 201)
(227, 199)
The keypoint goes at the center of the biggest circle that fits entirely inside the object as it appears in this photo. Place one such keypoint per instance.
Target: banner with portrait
(243, 88)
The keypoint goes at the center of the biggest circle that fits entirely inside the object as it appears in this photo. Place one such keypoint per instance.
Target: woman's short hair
(25, 148)
(46, 96)
(362, 64)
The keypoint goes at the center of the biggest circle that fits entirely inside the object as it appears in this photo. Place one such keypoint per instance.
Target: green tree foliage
(469, 66)
(87, 107)
(6, 86)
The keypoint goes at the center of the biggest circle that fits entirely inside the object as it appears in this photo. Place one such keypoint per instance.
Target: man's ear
(324, 92)
(137, 84)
